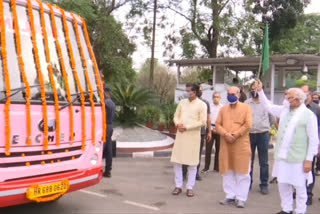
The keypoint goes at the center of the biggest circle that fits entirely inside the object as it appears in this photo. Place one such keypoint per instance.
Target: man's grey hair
(216, 93)
(298, 94)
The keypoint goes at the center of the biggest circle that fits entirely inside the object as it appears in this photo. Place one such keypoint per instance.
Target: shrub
(150, 114)
(168, 111)
(128, 99)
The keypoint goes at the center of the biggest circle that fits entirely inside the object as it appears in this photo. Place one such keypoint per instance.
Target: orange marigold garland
(63, 69)
(6, 79)
(51, 74)
(42, 84)
(22, 70)
(100, 87)
(84, 62)
(73, 66)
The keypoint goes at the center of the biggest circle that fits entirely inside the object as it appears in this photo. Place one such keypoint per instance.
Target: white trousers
(286, 191)
(236, 185)
(178, 177)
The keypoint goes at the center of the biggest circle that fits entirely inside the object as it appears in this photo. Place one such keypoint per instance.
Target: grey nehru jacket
(261, 119)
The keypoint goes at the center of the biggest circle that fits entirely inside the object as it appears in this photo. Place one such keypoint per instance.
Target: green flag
(265, 51)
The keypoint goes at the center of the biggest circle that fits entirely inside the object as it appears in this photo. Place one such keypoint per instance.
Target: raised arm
(271, 108)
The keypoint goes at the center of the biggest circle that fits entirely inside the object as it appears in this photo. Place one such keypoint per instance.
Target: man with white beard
(297, 144)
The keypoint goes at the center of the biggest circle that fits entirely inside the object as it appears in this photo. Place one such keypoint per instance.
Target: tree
(304, 37)
(164, 82)
(281, 15)
(112, 48)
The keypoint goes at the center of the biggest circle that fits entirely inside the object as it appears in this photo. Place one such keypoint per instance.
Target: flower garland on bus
(73, 66)
(6, 79)
(22, 70)
(42, 85)
(99, 83)
(63, 69)
(51, 75)
(84, 62)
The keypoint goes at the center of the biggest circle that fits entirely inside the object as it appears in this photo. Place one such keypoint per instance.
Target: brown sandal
(190, 193)
(176, 191)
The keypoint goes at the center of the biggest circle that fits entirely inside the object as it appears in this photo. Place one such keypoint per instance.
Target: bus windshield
(16, 81)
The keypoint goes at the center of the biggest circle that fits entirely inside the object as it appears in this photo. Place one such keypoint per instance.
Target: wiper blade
(16, 91)
(75, 99)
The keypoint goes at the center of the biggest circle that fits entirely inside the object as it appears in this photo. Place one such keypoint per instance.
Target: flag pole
(259, 67)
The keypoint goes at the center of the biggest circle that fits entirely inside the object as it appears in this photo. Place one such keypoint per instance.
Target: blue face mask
(232, 98)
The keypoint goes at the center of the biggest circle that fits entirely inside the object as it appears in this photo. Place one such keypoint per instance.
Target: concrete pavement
(144, 185)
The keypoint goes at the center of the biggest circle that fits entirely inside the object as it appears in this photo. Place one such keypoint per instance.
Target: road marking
(141, 205)
(93, 193)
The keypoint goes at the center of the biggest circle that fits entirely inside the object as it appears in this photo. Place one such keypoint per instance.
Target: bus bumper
(14, 192)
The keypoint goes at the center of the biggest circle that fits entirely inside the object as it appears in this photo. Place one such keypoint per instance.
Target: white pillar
(272, 83)
(284, 78)
(214, 71)
(178, 75)
(318, 78)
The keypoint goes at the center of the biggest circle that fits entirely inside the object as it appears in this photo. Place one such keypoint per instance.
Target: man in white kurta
(297, 144)
(190, 115)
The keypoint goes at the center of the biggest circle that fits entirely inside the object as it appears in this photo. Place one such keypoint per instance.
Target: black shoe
(198, 178)
(274, 180)
(264, 190)
(205, 170)
(309, 201)
(107, 174)
(283, 212)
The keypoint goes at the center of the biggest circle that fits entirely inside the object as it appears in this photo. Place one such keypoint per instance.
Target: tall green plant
(168, 111)
(129, 98)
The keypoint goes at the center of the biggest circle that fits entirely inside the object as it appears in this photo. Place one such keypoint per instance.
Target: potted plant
(149, 115)
(168, 112)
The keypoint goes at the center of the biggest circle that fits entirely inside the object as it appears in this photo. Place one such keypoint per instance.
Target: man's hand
(229, 138)
(209, 136)
(257, 85)
(307, 166)
(181, 128)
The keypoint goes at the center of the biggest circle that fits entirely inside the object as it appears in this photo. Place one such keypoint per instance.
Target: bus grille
(40, 157)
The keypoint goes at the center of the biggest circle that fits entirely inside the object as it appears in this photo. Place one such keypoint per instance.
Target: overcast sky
(143, 52)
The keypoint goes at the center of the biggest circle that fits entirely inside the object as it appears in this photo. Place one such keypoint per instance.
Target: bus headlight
(98, 147)
(94, 159)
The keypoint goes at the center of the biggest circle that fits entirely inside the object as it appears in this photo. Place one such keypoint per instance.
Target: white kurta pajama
(186, 147)
(298, 129)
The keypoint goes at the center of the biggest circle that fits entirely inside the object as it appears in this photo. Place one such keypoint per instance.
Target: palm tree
(129, 98)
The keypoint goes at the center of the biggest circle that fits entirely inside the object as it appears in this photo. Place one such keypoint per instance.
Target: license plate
(42, 190)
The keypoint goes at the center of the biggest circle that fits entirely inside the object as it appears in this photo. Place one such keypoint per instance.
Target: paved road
(141, 185)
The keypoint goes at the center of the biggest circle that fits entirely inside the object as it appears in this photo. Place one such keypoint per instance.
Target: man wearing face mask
(297, 143)
(190, 116)
(315, 98)
(316, 110)
(259, 138)
(205, 135)
(233, 125)
(215, 109)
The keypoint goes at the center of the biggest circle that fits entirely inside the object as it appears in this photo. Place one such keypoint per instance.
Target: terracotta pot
(149, 125)
(160, 127)
(172, 129)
